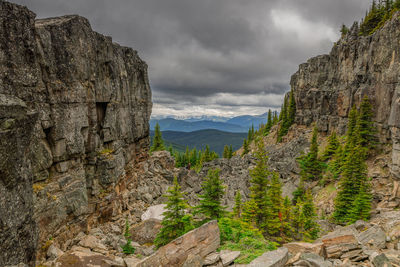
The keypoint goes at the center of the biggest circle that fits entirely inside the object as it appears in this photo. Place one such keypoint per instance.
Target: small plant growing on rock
(127, 248)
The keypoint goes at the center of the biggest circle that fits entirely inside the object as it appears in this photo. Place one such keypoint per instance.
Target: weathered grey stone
(193, 260)
(154, 212)
(374, 236)
(315, 260)
(227, 256)
(211, 258)
(146, 231)
(53, 252)
(380, 260)
(201, 241)
(276, 258)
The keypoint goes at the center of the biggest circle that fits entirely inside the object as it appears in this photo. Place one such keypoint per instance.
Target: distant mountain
(249, 120)
(199, 139)
(170, 124)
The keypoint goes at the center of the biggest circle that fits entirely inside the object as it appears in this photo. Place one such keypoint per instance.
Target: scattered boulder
(146, 231)
(380, 260)
(227, 256)
(92, 243)
(131, 261)
(211, 258)
(193, 261)
(200, 241)
(374, 236)
(54, 252)
(340, 241)
(276, 258)
(314, 260)
(154, 212)
(300, 247)
(84, 259)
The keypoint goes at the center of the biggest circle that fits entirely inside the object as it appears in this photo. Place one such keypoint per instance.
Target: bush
(240, 236)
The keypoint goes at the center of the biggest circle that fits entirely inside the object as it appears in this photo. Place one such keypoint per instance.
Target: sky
(215, 57)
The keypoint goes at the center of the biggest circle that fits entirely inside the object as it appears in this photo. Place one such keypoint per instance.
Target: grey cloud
(197, 49)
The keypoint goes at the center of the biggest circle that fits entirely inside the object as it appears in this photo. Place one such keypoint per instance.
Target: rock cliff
(74, 111)
(327, 86)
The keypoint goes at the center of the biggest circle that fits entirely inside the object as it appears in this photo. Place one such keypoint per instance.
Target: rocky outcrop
(92, 102)
(327, 86)
(198, 242)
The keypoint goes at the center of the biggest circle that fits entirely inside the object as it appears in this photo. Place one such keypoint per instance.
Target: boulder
(340, 241)
(227, 256)
(154, 212)
(131, 261)
(374, 236)
(146, 231)
(92, 243)
(84, 259)
(211, 258)
(300, 247)
(200, 241)
(276, 258)
(54, 252)
(315, 260)
(380, 260)
(193, 261)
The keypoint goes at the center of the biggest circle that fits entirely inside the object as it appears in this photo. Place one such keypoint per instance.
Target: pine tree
(333, 144)
(158, 143)
(311, 227)
(210, 201)
(283, 129)
(250, 212)
(291, 110)
(259, 184)
(365, 125)
(287, 220)
(336, 163)
(298, 194)
(311, 167)
(268, 126)
(298, 220)
(175, 222)
(274, 219)
(237, 209)
(230, 154)
(275, 118)
(207, 154)
(127, 248)
(354, 177)
(361, 207)
(245, 147)
(226, 152)
(344, 30)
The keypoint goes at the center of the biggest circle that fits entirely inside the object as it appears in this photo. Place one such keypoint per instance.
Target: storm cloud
(216, 57)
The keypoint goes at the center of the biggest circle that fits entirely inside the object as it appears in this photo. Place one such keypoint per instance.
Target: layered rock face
(327, 86)
(90, 102)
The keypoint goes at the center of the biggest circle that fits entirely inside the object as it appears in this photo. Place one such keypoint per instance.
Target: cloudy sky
(216, 57)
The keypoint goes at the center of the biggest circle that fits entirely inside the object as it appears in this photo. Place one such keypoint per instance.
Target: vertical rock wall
(327, 86)
(83, 106)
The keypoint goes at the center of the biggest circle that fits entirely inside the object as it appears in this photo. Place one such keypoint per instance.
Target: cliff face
(91, 103)
(327, 86)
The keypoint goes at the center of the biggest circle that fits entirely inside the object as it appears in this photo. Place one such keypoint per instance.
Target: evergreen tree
(298, 194)
(298, 220)
(354, 177)
(230, 154)
(311, 227)
(366, 136)
(333, 144)
(283, 129)
(245, 147)
(259, 184)
(158, 143)
(291, 110)
(274, 219)
(175, 222)
(226, 152)
(287, 219)
(237, 209)
(336, 163)
(361, 207)
(344, 30)
(275, 118)
(268, 126)
(250, 212)
(207, 154)
(127, 248)
(311, 167)
(210, 201)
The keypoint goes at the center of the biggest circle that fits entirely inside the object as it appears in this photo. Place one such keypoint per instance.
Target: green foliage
(287, 115)
(377, 15)
(210, 206)
(331, 148)
(365, 125)
(240, 236)
(311, 167)
(249, 213)
(226, 152)
(195, 157)
(344, 30)
(127, 248)
(175, 222)
(158, 142)
(311, 227)
(245, 147)
(298, 194)
(259, 184)
(230, 152)
(237, 209)
(361, 209)
(269, 124)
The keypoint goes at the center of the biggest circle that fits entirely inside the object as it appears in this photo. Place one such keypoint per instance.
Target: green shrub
(240, 236)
